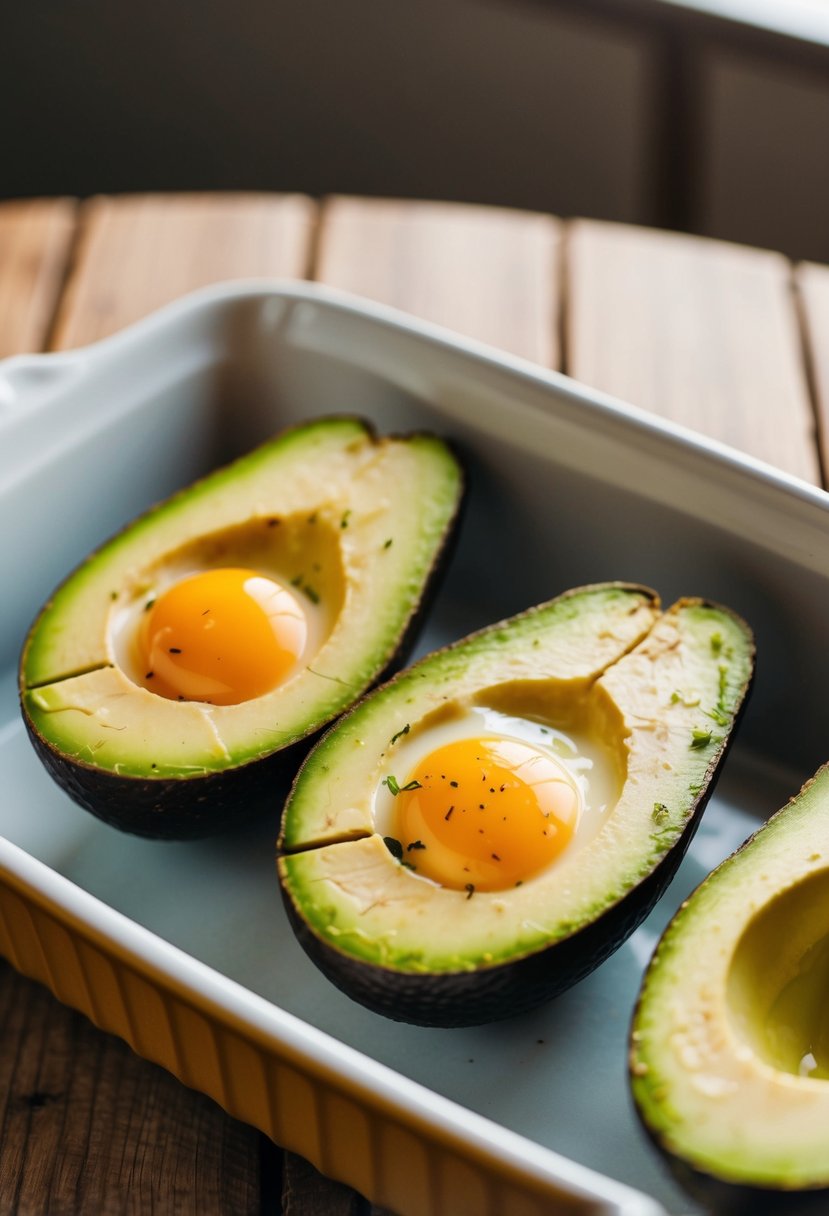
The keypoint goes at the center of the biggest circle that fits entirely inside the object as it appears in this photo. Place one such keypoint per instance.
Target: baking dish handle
(24, 379)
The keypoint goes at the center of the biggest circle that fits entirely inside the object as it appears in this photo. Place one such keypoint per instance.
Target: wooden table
(728, 340)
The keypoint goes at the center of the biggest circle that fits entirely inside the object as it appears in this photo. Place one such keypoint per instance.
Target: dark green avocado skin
(176, 809)
(721, 1198)
(475, 997)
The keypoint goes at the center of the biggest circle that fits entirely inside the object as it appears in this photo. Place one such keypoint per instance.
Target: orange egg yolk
(222, 636)
(486, 813)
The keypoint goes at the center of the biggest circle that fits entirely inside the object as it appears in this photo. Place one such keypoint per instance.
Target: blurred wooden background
(646, 111)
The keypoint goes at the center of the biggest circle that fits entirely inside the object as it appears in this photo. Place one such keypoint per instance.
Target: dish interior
(213, 383)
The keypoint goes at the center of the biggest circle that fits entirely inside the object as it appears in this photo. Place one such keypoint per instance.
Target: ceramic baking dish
(183, 949)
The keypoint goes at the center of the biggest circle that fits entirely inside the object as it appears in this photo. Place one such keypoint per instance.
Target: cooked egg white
(487, 800)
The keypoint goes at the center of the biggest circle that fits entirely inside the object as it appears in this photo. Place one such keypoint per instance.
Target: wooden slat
(486, 272)
(700, 332)
(35, 240)
(86, 1126)
(813, 285)
(137, 253)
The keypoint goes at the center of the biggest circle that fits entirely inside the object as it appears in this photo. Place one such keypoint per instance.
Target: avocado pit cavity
(778, 983)
(234, 615)
(485, 800)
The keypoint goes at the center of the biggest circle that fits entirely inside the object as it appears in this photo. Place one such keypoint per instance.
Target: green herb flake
(716, 642)
(700, 738)
(660, 812)
(387, 544)
(312, 594)
(345, 518)
(403, 731)
(391, 782)
(410, 785)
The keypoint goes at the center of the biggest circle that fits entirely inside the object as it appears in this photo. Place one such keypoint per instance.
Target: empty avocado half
(171, 681)
(483, 830)
(730, 1041)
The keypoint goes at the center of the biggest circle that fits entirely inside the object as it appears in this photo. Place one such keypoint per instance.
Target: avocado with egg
(730, 1040)
(480, 832)
(173, 680)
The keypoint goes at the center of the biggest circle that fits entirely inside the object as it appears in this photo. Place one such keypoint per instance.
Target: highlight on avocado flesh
(729, 1057)
(173, 681)
(480, 832)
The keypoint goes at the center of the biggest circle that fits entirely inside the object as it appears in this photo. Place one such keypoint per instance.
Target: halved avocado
(352, 524)
(658, 692)
(730, 1040)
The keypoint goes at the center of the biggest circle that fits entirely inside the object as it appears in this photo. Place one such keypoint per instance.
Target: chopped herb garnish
(408, 865)
(387, 544)
(449, 813)
(716, 642)
(113, 595)
(404, 731)
(297, 579)
(660, 812)
(395, 788)
(344, 520)
(313, 595)
(416, 844)
(149, 605)
(394, 847)
(470, 890)
(700, 738)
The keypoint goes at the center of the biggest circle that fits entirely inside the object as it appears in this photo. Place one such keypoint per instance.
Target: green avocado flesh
(730, 1042)
(656, 693)
(326, 509)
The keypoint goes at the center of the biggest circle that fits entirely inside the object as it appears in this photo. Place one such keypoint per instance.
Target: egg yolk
(486, 813)
(223, 636)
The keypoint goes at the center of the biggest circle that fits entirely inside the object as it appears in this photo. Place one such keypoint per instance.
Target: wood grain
(486, 272)
(813, 288)
(139, 252)
(88, 1127)
(35, 241)
(698, 331)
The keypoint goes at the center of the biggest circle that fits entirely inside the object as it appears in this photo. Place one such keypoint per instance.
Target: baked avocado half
(487, 827)
(172, 681)
(730, 1040)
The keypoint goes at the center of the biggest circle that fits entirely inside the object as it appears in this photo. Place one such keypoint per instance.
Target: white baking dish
(183, 949)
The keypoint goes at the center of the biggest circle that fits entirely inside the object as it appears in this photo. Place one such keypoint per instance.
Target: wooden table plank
(86, 1126)
(35, 241)
(698, 331)
(813, 288)
(486, 272)
(138, 252)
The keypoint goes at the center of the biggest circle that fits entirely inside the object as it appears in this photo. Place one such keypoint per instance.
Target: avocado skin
(161, 808)
(475, 997)
(738, 1199)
